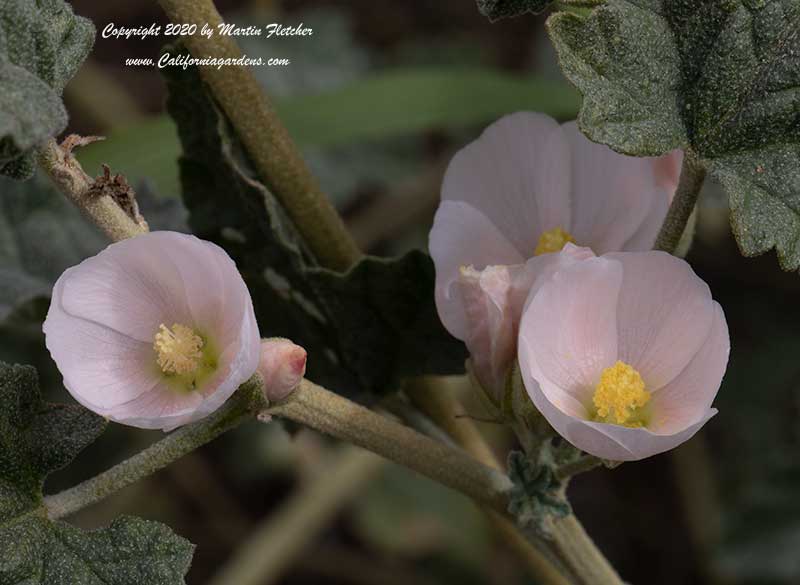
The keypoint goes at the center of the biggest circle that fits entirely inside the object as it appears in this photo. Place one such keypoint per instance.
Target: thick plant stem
(99, 207)
(334, 415)
(432, 397)
(276, 158)
(241, 407)
(693, 173)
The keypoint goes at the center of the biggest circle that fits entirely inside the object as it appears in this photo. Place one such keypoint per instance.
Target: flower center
(178, 349)
(620, 396)
(552, 241)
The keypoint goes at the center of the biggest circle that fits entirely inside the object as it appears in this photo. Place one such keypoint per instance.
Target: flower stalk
(693, 174)
(334, 415)
(243, 406)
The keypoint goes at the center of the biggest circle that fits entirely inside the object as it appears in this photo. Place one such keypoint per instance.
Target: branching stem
(319, 409)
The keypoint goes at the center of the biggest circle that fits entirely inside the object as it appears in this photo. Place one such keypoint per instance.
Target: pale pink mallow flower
(524, 189)
(155, 331)
(624, 354)
(282, 367)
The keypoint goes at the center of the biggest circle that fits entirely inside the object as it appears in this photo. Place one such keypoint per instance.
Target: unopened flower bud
(282, 367)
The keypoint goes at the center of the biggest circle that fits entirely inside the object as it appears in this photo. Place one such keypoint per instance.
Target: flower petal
(463, 236)
(615, 195)
(607, 441)
(664, 316)
(681, 402)
(101, 367)
(570, 326)
(639, 443)
(517, 174)
(131, 287)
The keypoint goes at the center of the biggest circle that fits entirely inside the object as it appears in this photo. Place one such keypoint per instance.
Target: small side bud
(282, 367)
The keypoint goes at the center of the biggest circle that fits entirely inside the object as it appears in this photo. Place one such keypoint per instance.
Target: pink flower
(624, 354)
(154, 332)
(282, 367)
(525, 188)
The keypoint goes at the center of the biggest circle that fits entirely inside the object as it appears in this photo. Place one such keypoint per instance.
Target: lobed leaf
(718, 77)
(37, 438)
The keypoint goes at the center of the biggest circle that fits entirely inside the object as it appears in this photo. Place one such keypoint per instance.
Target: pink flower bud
(282, 367)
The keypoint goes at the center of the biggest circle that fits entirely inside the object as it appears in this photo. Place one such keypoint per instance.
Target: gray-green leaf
(37, 438)
(718, 77)
(364, 329)
(42, 45)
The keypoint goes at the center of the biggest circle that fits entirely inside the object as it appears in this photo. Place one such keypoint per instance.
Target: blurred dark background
(379, 98)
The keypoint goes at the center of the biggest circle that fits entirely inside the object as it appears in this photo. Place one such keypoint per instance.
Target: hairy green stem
(693, 173)
(319, 409)
(241, 407)
(334, 415)
(276, 158)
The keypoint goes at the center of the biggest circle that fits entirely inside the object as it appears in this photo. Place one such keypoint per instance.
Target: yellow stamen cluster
(178, 349)
(620, 395)
(552, 241)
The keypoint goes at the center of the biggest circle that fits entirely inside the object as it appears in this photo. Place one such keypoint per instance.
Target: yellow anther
(552, 241)
(620, 396)
(178, 349)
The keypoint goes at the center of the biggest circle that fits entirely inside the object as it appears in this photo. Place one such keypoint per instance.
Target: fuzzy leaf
(718, 77)
(37, 438)
(364, 329)
(497, 9)
(42, 45)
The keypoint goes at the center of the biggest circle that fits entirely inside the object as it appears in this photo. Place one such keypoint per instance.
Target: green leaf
(37, 438)
(42, 45)
(364, 329)
(718, 77)
(496, 9)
